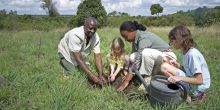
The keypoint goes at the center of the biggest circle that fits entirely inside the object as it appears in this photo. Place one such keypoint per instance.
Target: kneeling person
(77, 45)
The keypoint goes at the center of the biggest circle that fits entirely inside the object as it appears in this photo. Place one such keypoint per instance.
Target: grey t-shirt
(145, 39)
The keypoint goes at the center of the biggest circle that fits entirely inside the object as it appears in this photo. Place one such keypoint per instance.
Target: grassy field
(29, 61)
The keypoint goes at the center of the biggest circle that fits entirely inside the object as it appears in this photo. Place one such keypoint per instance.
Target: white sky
(132, 7)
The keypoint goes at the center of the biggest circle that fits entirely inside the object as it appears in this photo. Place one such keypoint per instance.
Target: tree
(92, 8)
(12, 12)
(213, 16)
(49, 7)
(114, 13)
(156, 9)
(123, 14)
(3, 13)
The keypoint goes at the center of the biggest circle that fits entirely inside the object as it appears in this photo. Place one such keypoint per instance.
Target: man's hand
(102, 78)
(95, 79)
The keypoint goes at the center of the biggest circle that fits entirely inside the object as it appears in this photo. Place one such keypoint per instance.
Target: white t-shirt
(194, 62)
(75, 41)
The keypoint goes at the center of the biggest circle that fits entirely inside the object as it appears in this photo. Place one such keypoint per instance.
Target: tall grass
(29, 61)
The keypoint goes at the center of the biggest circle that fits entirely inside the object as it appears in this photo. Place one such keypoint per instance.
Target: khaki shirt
(75, 41)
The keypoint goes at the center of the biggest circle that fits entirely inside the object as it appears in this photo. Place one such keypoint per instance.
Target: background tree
(92, 8)
(123, 14)
(156, 9)
(213, 16)
(49, 7)
(3, 14)
(114, 13)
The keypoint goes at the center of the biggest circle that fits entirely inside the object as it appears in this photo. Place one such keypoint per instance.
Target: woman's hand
(125, 82)
(123, 86)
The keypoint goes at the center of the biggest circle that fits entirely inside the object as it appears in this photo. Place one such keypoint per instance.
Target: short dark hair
(90, 19)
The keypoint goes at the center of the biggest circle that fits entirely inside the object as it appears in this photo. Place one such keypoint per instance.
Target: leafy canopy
(92, 8)
(156, 9)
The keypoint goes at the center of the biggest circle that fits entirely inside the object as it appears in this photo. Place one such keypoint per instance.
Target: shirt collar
(137, 36)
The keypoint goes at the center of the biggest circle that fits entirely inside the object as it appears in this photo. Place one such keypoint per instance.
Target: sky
(132, 7)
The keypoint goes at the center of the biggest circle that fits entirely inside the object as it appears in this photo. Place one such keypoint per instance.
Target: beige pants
(151, 61)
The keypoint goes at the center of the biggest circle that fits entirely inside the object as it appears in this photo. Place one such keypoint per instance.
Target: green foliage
(166, 20)
(73, 22)
(92, 8)
(213, 16)
(199, 15)
(205, 16)
(123, 14)
(14, 22)
(156, 9)
(3, 15)
(12, 12)
(114, 13)
(181, 19)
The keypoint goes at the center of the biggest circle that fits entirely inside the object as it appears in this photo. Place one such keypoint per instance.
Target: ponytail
(139, 26)
(132, 26)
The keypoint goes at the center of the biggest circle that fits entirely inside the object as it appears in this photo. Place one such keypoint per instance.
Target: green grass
(29, 61)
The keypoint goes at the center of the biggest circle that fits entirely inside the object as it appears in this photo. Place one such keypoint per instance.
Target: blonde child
(117, 59)
(194, 64)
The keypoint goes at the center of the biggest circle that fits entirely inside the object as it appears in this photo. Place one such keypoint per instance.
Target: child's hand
(112, 78)
(174, 79)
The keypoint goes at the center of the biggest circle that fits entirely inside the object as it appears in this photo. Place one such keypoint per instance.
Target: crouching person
(196, 69)
(75, 47)
(147, 50)
(118, 61)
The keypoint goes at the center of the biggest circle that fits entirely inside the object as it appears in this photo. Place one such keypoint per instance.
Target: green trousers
(67, 66)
